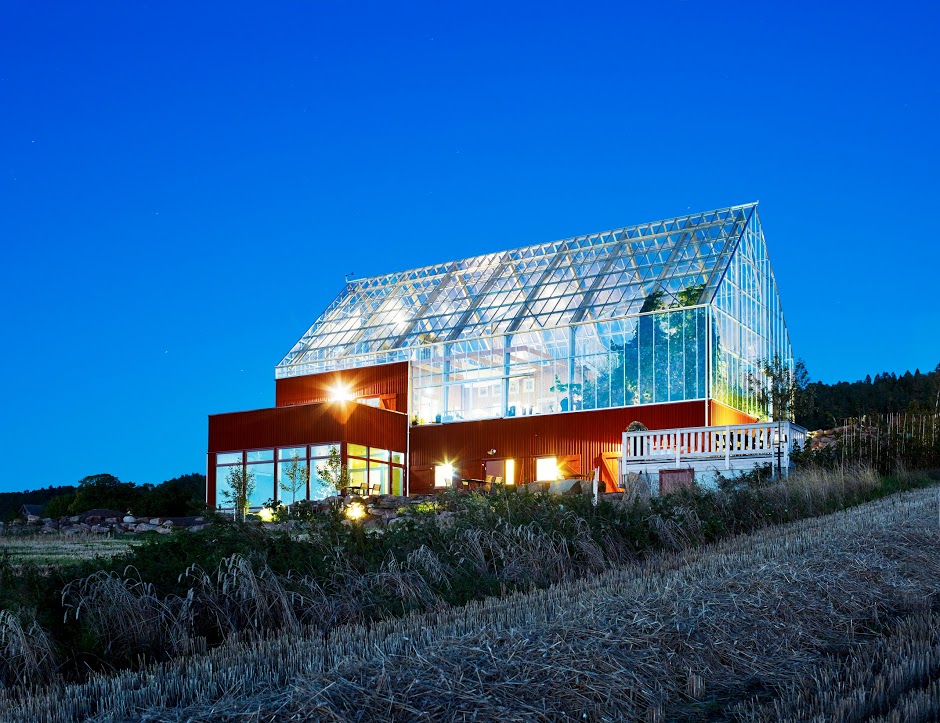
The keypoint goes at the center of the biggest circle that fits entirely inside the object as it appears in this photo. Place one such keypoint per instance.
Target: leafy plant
(295, 479)
(241, 485)
(333, 474)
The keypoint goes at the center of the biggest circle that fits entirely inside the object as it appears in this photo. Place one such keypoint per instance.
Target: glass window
(261, 455)
(397, 478)
(443, 475)
(295, 481)
(319, 486)
(228, 458)
(322, 450)
(291, 452)
(356, 450)
(380, 454)
(358, 475)
(378, 479)
(263, 483)
(223, 485)
(398, 458)
(546, 469)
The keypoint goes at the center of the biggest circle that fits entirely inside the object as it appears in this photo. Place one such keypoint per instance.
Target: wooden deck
(731, 447)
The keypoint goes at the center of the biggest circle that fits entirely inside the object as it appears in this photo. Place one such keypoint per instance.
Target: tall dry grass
(27, 653)
(730, 627)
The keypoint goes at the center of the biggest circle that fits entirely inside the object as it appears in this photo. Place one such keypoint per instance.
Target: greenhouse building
(519, 366)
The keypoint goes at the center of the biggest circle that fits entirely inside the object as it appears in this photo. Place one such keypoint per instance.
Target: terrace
(736, 447)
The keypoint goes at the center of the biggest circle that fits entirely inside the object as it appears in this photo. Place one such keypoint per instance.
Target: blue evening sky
(184, 185)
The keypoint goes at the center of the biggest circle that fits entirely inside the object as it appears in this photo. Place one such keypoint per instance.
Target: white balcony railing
(736, 446)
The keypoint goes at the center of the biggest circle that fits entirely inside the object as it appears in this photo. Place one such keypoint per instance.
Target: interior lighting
(340, 393)
(443, 475)
(355, 511)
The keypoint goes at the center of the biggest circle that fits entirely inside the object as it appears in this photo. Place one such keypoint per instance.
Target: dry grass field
(57, 549)
(828, 619)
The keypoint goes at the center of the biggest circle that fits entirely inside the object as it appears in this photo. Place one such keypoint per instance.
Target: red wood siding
(304, 424)
(387, 381)
(723, 414)
(586, 434)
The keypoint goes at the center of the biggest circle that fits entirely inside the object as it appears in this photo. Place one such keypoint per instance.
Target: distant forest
(884, 394)
(177, 497)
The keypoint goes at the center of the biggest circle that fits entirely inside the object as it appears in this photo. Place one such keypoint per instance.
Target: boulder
(32, 519)
(92, 519)
(142, 520)
(72, 530)
(111, 520)
(164, 530)
(100, 529)
(392, 502)
(75, 519)
(156, 520)
(130, 518)
(144, 527)
(168, 523)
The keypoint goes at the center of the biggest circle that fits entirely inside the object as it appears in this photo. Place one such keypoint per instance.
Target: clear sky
(184, 185)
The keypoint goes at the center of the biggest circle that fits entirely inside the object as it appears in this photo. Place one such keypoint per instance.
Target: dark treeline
(177, 497)
(10, 502)
(887, 393)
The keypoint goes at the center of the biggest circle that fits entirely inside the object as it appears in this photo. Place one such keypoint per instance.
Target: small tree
(781, 391)
(295, 479)
(332, 475)
(241, 486)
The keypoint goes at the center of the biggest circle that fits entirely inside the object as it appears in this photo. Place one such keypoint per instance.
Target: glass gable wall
(671, 311)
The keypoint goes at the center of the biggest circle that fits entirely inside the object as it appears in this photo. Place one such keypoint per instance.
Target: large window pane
(291, 452)
(295, 481)
(222, 485)
(546, 469)
(380, 454)
(264, 483)
(228, 458)
(378, 479)
(322, 450)
(260, 455)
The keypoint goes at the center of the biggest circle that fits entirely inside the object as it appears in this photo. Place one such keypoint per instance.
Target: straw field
(55, 549)
(829, 618)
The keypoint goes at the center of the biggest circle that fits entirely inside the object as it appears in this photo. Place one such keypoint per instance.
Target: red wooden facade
(580, 440)
(587, 436)
(303, 424)
(723, 414)
(388, 383)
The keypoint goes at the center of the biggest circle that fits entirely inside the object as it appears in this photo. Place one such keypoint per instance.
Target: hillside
(759, 625)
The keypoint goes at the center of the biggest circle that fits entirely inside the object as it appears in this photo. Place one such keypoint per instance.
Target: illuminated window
(546, 469)
(510, 472)
(443, 475)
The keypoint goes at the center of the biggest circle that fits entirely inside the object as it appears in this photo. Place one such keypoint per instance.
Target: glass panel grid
(594, 277)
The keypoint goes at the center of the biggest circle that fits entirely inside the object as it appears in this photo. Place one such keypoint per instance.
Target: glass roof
(598, 277)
